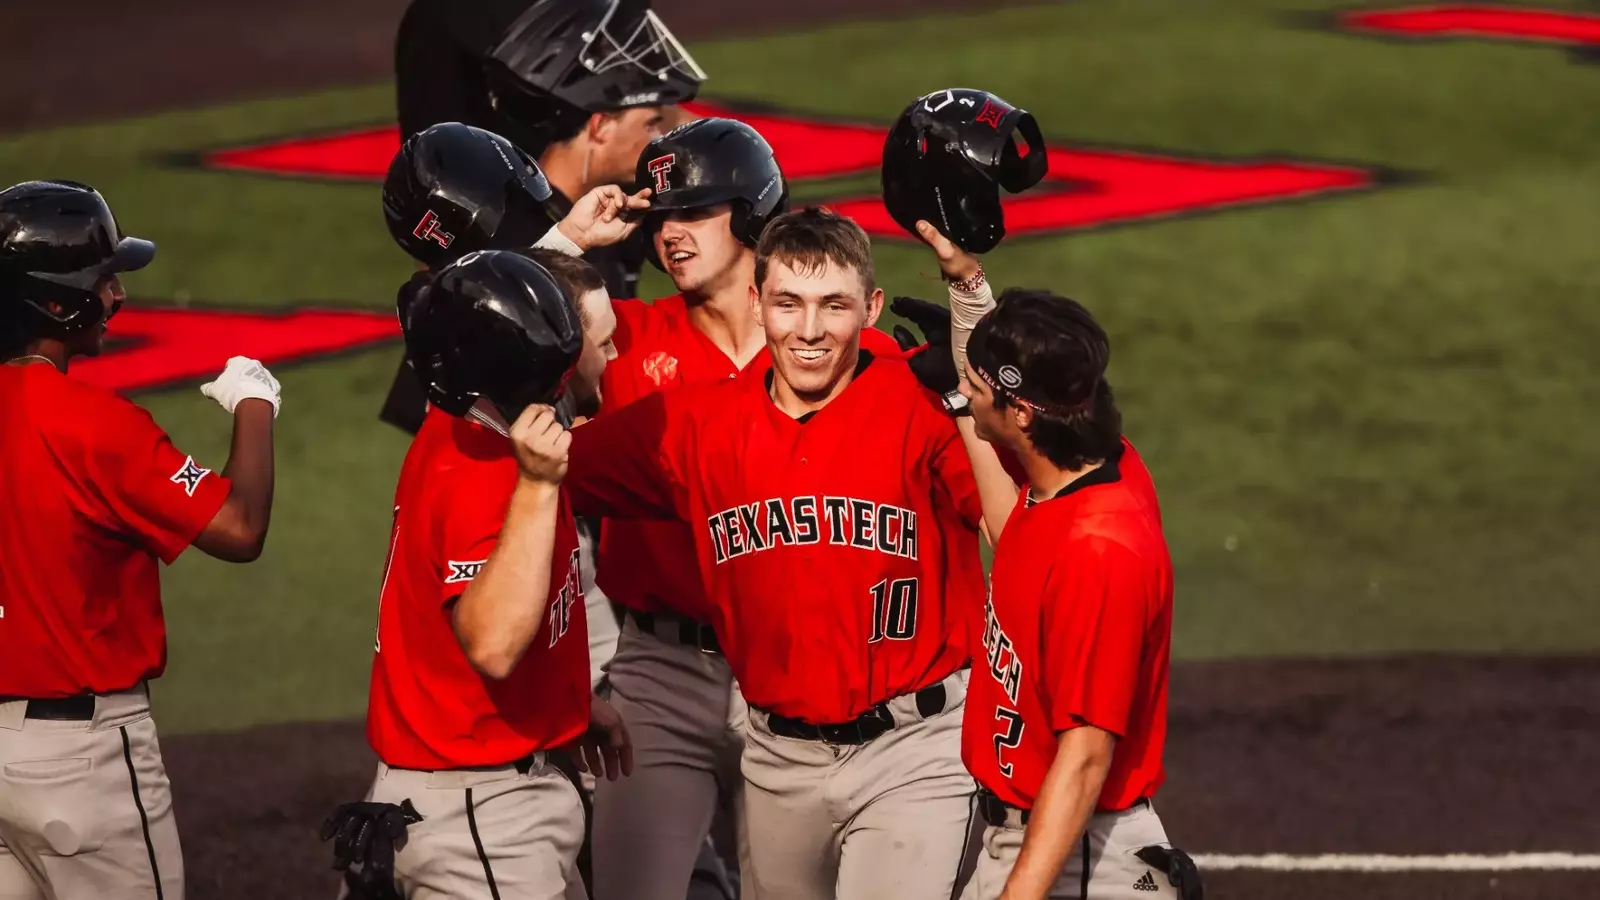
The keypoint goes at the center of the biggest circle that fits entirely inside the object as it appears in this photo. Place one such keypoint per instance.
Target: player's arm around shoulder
(628, 463)
(502, 608)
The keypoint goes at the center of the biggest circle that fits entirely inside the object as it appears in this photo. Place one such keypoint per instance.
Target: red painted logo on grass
(1480, 21)
(1086, 188)
(148, 348)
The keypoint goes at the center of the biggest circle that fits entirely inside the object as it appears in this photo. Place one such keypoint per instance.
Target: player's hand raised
(956, 263)
(604, 216)
(606, 746)
(541, 445)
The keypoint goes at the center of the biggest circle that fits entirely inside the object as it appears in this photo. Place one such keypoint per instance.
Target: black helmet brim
(132, 254)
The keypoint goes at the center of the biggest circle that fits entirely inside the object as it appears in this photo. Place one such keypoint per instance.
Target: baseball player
(834, 520)
(480, 671)
(580, 85)
(715, 186)
(1066, 719)
(453, 189)
(95, 495)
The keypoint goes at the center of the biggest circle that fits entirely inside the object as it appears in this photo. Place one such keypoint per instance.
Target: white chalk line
(1356, 862)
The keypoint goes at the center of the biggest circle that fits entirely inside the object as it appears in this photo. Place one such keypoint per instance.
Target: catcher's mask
(563, 60)
(947, 157)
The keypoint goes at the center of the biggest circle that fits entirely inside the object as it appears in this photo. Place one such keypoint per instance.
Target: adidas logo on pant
(1146, 883)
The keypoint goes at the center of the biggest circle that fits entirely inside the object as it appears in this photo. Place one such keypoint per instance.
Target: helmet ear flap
(742, 223)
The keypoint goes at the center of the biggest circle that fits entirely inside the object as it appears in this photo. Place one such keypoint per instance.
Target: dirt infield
(1480, 756)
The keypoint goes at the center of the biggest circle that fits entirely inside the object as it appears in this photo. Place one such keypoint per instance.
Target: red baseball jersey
(841, 550)
(94, 493)
(428, 708)
(1077, 631)
(651, 566)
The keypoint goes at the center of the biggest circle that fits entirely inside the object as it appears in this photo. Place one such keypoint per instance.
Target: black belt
(863, 728)
(997, 813)
(79, 708)
(690, 633)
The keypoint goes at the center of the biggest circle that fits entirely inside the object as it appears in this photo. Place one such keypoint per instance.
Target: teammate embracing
(834, 519)
(715, 185)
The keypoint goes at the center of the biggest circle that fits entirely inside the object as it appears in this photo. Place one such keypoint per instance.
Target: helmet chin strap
(485, 413)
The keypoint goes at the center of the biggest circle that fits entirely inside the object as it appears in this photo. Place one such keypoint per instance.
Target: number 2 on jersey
(1009, 735)
(894, 610)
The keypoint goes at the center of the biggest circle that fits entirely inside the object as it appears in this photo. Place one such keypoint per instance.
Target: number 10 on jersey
(894, 610)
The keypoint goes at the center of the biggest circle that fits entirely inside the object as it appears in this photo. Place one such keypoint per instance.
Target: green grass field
(1370, 417)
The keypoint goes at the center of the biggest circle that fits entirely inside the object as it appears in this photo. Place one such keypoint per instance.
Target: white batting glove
(243, 379)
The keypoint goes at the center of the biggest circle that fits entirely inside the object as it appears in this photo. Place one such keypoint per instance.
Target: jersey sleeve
(1093, 623)
(473, 505)
(880, 344)
(952, 473)
(148, 488)
(626, 464)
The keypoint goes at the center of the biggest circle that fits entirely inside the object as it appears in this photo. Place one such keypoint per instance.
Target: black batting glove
(933, 364)
(365, 834)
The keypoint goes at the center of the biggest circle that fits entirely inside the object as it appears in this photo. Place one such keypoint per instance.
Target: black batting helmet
(710, 161)
(58, 239)
(947, 157)
(454, 188)
(493, 325)
(562, 60)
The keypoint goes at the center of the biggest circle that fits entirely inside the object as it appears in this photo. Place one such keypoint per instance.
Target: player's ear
(755, 304)
(601, 127)
(1022, 414)
(874, 306)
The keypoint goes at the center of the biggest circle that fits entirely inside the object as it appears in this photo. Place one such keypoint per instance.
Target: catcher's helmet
(562, 60)
(58, 239)
(947, 157)
(710, 161)
(493, 325)
(453, 189)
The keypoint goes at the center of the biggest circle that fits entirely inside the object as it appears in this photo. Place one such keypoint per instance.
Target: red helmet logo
(659, 167)
(991, 114)
(428, 230)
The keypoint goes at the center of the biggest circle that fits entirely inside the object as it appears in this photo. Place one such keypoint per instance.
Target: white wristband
(555, 240)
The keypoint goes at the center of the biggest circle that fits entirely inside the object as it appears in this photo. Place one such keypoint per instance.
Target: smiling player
(834, 522)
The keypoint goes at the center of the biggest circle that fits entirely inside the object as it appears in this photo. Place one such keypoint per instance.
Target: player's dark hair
(575, 276)
(562, 129)
(15, 336)
(809, 239)
(15, 333)
(1059, 354)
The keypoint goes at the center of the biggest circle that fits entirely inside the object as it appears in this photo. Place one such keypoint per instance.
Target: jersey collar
(862, 361)
(1109, 472)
